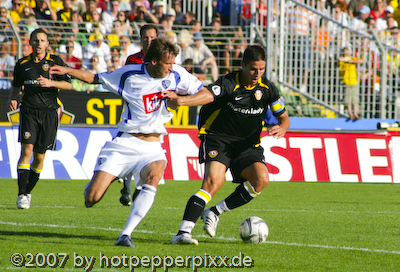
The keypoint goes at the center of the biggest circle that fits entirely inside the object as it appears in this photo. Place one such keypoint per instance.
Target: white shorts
(127, 155)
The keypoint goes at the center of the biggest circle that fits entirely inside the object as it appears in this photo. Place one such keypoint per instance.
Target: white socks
(139, 209)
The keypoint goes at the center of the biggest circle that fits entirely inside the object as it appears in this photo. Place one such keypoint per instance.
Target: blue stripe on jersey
(177, 78)
(125, 76)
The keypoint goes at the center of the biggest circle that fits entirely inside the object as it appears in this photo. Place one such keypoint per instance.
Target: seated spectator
(354, 6)
(77, 50)
(202, 57)
(100, 49)
(170, 16)
(110, 15)
(44, 12)
(158, 10)
(189, 17)
(127, 48)
(28, 24)
(95, 26)
(382, 22)
(184, 38)
(56, 5)
(65, 14)
(115, 62)
(16, 11)
(91, 6)
(378, 9)
(7, 63)
(135, 4)
(341, 17)
(188, 65)
(144, 16)
(126, 27)
(124, 6)
(116, 33)
(179, 15)
(69, 57)
(166, 26)
(26, 49)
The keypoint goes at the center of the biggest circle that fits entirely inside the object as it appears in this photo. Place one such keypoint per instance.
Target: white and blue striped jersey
(145, 111)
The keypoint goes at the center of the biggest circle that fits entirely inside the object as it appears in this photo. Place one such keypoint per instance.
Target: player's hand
(58, 70)
(172, 97)
(12, 105)
(45, 82)
(276, 131)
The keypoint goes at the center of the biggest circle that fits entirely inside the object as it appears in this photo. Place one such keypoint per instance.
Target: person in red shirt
(147, 34)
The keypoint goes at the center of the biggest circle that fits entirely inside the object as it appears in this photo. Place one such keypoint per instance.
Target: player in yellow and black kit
(229, 129)
(38, 111)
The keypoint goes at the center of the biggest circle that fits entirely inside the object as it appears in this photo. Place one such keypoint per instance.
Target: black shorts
(38, 127)
(234, 154)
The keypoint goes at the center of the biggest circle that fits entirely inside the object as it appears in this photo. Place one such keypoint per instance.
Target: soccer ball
(253, 230)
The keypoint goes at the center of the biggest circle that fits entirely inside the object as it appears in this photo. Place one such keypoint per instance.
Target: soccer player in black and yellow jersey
(229, 129)
(38, 111)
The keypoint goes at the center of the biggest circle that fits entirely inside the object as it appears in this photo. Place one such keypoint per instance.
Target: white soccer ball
(253, 230)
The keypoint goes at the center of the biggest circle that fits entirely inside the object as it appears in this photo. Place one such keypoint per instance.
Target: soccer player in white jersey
(146, 89)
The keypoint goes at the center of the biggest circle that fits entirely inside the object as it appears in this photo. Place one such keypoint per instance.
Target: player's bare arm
(45, 82)
(85, 76)
(279, 131)
(201, 98)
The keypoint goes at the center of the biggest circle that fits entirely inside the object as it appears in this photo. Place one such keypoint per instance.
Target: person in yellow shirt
(348, 75)
(16, 11)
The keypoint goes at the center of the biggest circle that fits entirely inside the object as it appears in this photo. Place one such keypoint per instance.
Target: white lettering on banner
(367, 162)
(183, 147)
(307, 145)
(285, 167)
(66, 156)
(333, 160)
(96, 141)
(395, 152)
(14, 150)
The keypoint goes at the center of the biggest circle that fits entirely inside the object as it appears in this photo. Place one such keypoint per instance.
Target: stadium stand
(305, 67)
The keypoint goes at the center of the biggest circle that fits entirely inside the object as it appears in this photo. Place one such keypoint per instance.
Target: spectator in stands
(158, 10)
(202, 56)
(95, 26)
(127, 48)
(166, 26)
(144, 16)
(68, 56)
(135, 4)
(56, 5)
(15, 13)
(359, 22)
(189, 17)
(349, 77)
(179, 15)
(44, 12)
(299, 21)
(124, 6)
(170, 16)
(382, 23)
(126, 27)
(147, 34)
(218, 44)
(378, 9)
(195, 26)
(79, 6)
(28, 24)
(116, 33)
(110, 15)
(77, 50)
(115, 62)
(184, 39)
(355, 5)
(7, 63)
(26, 49)
(91, 6)
(65, 14)
(101, 50)
(341, 17)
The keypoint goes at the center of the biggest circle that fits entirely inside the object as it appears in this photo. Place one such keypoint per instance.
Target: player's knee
(262, 182)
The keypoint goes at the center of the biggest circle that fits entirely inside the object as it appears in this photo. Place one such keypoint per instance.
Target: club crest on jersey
(100, 161)
(45, 67)
(27, 134)
(258, 94)
(213, 153)
(166, 83)
(152, 102)
(216, 90)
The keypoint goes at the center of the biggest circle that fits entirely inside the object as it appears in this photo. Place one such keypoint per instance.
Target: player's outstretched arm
(204, 96)
(83, 75)
(63, 85)
(279, 130)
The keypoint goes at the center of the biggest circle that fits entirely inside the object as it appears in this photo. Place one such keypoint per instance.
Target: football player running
(229, 130)
(146, 89)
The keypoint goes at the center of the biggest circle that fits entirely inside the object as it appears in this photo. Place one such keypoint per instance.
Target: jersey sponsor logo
(165, 83)
(100, 161)
(258, 94)
(216, 90)
(27, 134)
(251, 111)
(237, 98)
(213, 153)
(152, 102)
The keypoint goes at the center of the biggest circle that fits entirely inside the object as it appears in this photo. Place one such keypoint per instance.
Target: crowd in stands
(99, 33)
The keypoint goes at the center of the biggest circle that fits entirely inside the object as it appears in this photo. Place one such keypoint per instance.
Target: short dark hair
(159, 48)
(146, 27)
(254, 53)
(37, 31)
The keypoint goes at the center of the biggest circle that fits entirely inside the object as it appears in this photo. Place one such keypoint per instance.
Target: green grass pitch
(313, 227)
